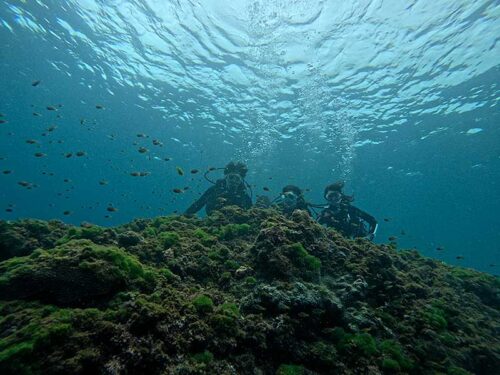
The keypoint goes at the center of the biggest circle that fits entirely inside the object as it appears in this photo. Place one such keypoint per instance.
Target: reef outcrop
(239, 292)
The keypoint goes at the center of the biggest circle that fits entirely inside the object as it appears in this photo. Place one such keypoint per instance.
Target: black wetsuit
(218, 196)
(348, 220)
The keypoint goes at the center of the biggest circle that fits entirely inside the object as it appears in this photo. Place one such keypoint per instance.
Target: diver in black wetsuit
(291, 199)
(342, 216)
(231, 190)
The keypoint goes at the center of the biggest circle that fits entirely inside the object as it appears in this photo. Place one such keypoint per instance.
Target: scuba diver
(339, 214)
(291, 199)
(231, 190)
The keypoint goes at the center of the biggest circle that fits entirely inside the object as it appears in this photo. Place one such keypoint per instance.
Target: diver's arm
(372, 222)
(200, 202)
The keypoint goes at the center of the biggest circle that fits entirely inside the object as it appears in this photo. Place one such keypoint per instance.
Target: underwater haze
(102, 101)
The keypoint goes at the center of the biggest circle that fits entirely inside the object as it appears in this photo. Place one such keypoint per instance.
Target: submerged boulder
(76, 273)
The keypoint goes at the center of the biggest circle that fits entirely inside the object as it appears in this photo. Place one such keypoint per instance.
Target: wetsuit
(218, 196)
(348, 220)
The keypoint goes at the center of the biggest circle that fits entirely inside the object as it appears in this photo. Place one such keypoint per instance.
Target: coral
(238, 292)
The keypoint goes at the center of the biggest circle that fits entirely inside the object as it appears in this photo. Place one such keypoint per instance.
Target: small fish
(82, 121)
(112, 209)
(24, 183)
(186, 188)
(8, 210)
(81, 153)
(194, 171)
(265, 188)
(31, 141)
(66, 213)
(99, 106)
(143, 150)
(68, 155)
(7, 171)
(459, 257)
(51, 108)
(386, 219)
(51, 128)
(141, 135)
(403, 232)
(179, 170)
(103, 182)
(139, 174)
(392, 238)
(167, 159)
(3, 121)
(35, 83)
(177, 191)
(40, 154)
(37, 114)
(492, 265)
(212, 169)
(157, 142)
(67, 180)
(439, 248)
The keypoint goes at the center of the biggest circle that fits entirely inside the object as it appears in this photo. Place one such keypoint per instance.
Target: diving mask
(289, 198)
(333, 196)
(233, 181)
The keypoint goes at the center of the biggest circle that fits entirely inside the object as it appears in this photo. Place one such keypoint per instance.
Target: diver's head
(333, 193)
(233, 181)
(234, 174)
(236, 168)
(290, 195)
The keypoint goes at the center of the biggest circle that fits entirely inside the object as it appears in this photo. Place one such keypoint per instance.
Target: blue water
(399, 99)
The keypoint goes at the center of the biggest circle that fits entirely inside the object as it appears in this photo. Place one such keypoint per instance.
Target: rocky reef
(239, 292)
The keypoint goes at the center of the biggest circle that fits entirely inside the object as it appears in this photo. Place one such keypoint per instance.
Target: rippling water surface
(399, 98)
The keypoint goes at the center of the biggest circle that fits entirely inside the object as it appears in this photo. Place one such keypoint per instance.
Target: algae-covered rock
(239, 292)
(20, 238)
(76, 273)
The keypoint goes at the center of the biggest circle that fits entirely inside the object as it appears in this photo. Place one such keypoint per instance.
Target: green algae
(168, 239)
(393, 351)
(303, 258)
(231, 231)
(205, 357)
(290, 370)
(203, 304)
